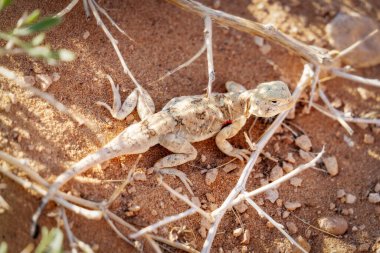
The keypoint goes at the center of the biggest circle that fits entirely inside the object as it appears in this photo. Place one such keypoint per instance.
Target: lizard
(182, 121)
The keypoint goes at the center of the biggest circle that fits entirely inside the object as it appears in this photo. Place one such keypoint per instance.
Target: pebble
(272, 195)
(202, 231)
(377, 187)
(287, 167)
(285, 214)
(331, 165)
(291, 206)
(374, 198)
(269, 225)
(305, 155)
(346, 29)
(246, 237)
(139, 176)
(276, 173)
(241, 207)
(26, 81)
(45, 81)
(265, 49)
(211, 176)
(86, 34)
(304, 244)
(203, 158)
(230, 167)
(55, 76)
(340, 193)
(290, 158)
(304, 142)
(154, 212)
(237, 232)
(196, 201)
(296, 181)
(244, 249)
(350, 199)
(336, 225)
(210, 197)
(364, 247)
(368, 139)
(292, 228)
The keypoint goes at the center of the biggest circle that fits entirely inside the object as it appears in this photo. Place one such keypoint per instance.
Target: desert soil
(164, 37)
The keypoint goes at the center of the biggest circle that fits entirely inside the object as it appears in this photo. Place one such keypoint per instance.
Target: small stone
(134, 208)
(129, 119)
(271, 195)
(304, 244)
(246, 237)
(210, 197)
(279, 202)
(374, 198)
(213, 207)
(368, 139)
(340, 193)
(265, 49)
(86, 34)
(237, 232)
(229, 167)
(362, 125)
(259, 41)
(26, 81)
(305, 155)
(348, 28)
(354, 228)
(269, 225)
(154, 212)
(287, 167)
(292, 228)
(285, 214)
(211, 176)
(45, 81)
(55, 76)
(132, 190)
(348, 141)
(276, 173)
(202, 231)
(364, 247)
(290, 158)
(244, 249)
(139, 176)
(336, 225)
(196, 201)
(296, 181)
(332, 206)
(377, 187)
(304, 142)
(331, 165)
(291, 206)
(337, 103)
(241, 207)
(203, 158)
(350, 199)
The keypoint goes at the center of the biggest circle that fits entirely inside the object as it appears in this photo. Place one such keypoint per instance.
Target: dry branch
(314, 55)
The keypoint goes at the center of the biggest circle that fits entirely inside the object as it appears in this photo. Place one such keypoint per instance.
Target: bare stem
(210, 61)
(314, 55)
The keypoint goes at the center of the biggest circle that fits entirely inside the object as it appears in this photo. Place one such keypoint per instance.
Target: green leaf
(32, 17)
(36, 41)
(4, 3)
(44, 24)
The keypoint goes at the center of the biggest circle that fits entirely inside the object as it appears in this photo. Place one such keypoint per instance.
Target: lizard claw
(241, 154)
(182, 176)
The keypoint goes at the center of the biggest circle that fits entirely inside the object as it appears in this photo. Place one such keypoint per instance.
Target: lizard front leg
(139, 97)
(184, 152)
(228, 132)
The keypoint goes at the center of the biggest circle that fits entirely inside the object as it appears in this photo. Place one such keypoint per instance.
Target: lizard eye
(274, 102)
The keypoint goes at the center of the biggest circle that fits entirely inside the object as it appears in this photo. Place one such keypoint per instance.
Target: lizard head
(269, 99)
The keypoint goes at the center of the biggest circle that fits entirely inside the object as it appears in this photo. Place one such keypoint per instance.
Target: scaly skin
(182, 121)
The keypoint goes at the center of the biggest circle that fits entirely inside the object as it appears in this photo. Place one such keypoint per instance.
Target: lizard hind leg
(184, 152)
(232, 86)
(120, 111)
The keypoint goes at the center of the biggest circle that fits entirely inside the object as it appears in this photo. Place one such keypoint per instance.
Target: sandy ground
(164, 37)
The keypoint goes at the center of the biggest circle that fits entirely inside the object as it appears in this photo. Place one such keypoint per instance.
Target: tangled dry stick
(320, 59)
